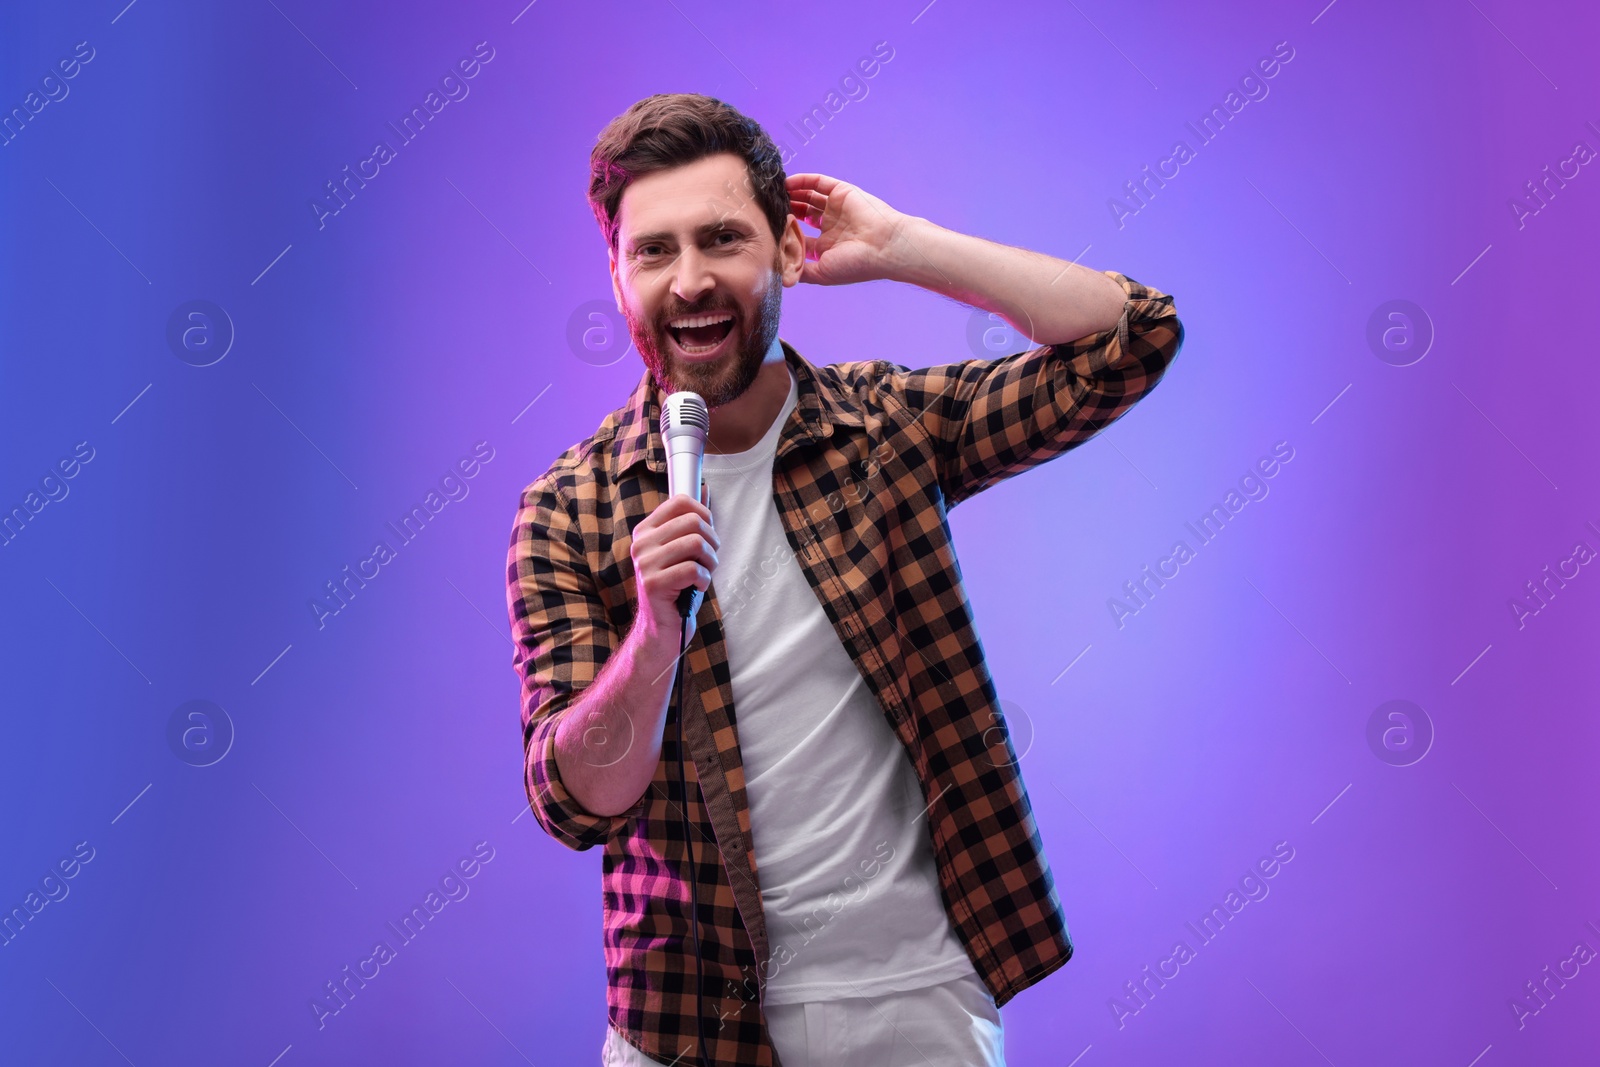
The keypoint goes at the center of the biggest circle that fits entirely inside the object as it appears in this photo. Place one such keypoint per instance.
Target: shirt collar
(819, 406)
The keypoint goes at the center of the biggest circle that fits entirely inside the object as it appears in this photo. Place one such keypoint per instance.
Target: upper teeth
(700, 320)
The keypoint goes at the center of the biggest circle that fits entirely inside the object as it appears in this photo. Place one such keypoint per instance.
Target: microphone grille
(685, 409)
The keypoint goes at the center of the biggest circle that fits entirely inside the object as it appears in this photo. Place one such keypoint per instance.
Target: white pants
(953, 1024)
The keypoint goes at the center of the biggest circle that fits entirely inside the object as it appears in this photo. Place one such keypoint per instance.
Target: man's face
(699, 277)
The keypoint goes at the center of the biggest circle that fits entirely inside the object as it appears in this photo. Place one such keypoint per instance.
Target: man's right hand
(674, 548)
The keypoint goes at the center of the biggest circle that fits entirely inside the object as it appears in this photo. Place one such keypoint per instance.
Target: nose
(691, 275)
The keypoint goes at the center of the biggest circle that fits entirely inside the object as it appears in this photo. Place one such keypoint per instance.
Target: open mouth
(701, 335)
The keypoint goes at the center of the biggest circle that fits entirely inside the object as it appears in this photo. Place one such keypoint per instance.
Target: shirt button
(735, 845)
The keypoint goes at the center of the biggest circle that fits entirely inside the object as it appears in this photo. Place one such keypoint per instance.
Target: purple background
(1229, 714)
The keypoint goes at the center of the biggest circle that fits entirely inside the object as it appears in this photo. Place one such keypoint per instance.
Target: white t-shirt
(848, 882)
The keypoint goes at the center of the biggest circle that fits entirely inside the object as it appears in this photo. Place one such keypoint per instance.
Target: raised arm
(990, 419)
(1048, 300)
(1105, 340)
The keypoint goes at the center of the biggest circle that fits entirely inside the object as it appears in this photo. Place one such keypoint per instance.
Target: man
(871, 883)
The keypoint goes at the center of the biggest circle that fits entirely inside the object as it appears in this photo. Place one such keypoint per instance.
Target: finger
(658, 515)
(674, 573)
(654, 559)
(693, 522)
(699, 530)
(686, 574)
(687, 526)
(820, 182)
(679, 504)
(685, 550)
(810, 209)
(675, 508)
(698, 508)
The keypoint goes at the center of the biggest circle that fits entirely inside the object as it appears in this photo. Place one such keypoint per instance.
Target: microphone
(685, 422)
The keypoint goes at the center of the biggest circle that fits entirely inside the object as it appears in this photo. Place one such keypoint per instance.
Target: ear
(792, 251)
(616, 287)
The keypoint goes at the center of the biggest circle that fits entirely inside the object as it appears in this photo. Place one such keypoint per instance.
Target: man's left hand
(863, 239)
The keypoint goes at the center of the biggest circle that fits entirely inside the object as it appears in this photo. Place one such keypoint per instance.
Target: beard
(724, 380)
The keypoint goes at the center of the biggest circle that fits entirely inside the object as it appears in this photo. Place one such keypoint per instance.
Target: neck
(737, 425)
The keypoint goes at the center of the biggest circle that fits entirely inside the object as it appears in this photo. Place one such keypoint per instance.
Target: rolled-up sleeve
(561, 637)
(991, 419)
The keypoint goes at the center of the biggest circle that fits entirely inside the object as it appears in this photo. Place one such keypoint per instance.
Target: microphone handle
(684, 468)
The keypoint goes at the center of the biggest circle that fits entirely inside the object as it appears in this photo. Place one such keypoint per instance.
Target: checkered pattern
(867, 466)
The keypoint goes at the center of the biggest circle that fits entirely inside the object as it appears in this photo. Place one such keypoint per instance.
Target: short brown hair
(674, 129)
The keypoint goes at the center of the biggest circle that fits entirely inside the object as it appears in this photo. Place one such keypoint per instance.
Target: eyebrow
(703, 230)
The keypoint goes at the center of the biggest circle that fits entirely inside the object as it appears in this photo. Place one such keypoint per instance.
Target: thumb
(705, 498)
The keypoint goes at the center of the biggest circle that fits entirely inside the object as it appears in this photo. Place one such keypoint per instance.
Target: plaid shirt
(867, 465)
